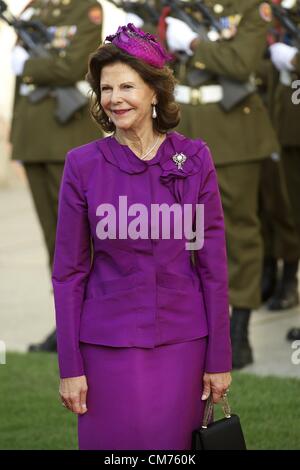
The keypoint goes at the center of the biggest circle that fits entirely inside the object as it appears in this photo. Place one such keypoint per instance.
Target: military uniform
(240, 139)
(287, 122)
(279, 235)
(38, 139)
(287, 115)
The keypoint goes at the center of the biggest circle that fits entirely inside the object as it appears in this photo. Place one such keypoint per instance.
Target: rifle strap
(162, 25)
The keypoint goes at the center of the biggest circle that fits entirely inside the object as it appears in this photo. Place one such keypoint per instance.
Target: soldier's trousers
(44, 182)
(291, 164)
(239, 186)
(279, 234)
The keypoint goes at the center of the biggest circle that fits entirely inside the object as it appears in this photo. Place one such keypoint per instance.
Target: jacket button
(218, 9)
(247, 110)
(200, 65)
(27, 79)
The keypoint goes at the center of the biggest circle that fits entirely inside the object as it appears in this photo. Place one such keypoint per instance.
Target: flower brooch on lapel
(181, 160)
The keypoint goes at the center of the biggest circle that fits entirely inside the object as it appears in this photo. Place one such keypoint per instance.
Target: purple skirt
(142, 399)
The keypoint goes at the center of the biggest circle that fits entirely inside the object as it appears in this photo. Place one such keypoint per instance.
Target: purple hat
(139, 44)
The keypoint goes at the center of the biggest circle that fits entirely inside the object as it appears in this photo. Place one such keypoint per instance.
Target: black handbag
(223, 434)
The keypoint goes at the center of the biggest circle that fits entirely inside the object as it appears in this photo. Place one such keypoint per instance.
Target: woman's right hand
(73, 392)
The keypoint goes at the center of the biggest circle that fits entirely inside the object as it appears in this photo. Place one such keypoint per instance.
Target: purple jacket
(126, 291)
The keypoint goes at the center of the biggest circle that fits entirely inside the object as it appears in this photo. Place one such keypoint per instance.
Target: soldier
(240, 138)
(39, 141)
(286, 59)
(279, 287)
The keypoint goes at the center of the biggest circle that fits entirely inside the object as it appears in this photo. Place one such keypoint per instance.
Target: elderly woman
(142, 312)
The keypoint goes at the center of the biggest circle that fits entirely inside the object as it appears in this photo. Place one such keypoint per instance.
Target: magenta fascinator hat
(140, 44)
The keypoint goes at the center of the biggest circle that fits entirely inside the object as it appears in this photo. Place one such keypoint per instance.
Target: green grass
(31, 416)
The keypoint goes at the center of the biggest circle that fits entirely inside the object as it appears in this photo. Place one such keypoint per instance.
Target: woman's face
(125, 97)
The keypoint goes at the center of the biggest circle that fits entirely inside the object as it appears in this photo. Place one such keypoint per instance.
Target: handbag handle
(209, 407)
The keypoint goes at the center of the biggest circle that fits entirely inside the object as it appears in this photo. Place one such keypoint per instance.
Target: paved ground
(26, 301)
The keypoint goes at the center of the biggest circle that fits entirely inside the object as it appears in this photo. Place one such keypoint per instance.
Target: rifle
(181, 10)
(282, 15)
(234, 91)
(35, 37)
(207, 14)
(144, 9)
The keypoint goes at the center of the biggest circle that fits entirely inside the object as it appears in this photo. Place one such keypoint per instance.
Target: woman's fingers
(73, 393)
(217, 384)
(218, 391)
(206, 387)
(76, 408)
(217, 396)
(76, 402)
(83, 394)
(66, 402)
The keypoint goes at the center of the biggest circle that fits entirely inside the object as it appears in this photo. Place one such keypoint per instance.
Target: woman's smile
(120, 112)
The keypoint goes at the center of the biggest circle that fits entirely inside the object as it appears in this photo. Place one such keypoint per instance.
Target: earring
(154, 113)
(109, 120)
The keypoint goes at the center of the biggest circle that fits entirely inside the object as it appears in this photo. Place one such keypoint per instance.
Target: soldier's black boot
(241, 349)
(49, 345)
(286, 294)
(269, 278)
(293, 334)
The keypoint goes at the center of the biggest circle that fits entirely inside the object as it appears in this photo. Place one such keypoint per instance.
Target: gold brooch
(179, 159)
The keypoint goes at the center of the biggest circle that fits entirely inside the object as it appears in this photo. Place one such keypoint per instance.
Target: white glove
(282, 56)
(134, 19)
(179, 35)
(18, 59)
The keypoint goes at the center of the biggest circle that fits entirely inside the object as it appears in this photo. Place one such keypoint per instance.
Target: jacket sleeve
(239, 56)
(72, 67)
(211, 265)
(72, 261)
